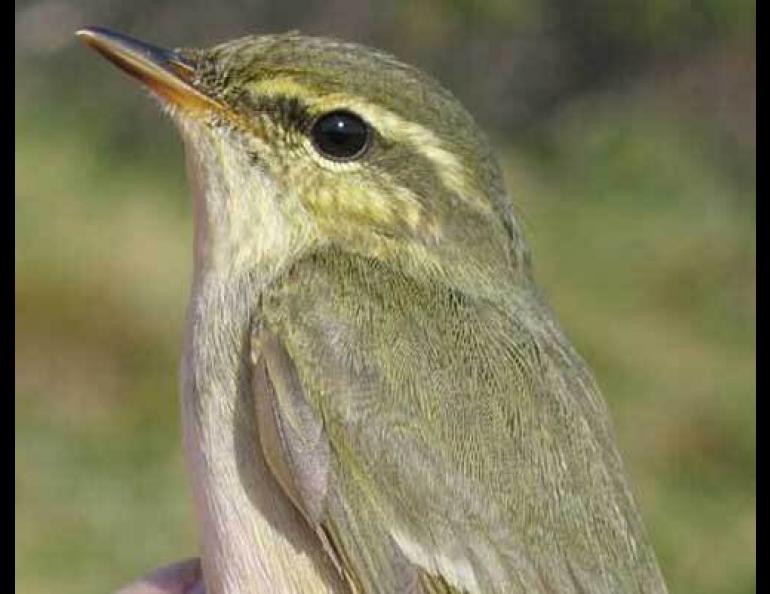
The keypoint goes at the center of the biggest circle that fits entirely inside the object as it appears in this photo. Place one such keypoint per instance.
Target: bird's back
(470, 446)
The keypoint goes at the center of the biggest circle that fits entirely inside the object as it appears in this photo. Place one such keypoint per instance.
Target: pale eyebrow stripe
(448, 167)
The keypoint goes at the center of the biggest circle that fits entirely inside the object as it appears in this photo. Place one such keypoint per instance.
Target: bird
(376, 396)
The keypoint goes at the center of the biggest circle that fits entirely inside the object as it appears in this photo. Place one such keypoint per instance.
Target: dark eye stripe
(289, 112)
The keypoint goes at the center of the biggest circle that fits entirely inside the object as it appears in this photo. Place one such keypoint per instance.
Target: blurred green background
(627, 133)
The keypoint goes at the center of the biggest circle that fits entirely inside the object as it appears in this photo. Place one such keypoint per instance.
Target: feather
(466, 447)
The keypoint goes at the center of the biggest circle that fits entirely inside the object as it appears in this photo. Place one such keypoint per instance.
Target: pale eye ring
(340, 135)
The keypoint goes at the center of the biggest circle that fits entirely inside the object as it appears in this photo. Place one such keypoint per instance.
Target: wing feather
(464, 445)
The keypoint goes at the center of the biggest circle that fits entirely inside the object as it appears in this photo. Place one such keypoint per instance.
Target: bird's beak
(165, 72)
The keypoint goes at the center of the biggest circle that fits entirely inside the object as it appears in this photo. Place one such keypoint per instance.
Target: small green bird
(375, 395)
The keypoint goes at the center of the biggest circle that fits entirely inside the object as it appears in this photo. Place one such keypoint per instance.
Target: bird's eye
(340, 136)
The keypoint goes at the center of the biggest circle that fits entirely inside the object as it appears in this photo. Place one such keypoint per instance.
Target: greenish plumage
(366, 342)
(469, 426)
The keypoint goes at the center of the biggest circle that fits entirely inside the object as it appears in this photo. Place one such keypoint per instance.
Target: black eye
(340, 135)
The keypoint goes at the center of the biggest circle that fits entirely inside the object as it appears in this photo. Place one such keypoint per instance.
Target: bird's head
(297, 143)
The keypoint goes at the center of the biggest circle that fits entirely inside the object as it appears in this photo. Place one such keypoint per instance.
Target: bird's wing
(437, 444)
(298, 452)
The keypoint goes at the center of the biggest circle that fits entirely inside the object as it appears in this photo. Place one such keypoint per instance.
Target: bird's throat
(246, 221)
(252, 539)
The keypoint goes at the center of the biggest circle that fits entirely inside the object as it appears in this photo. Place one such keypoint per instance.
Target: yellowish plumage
(376, 397)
